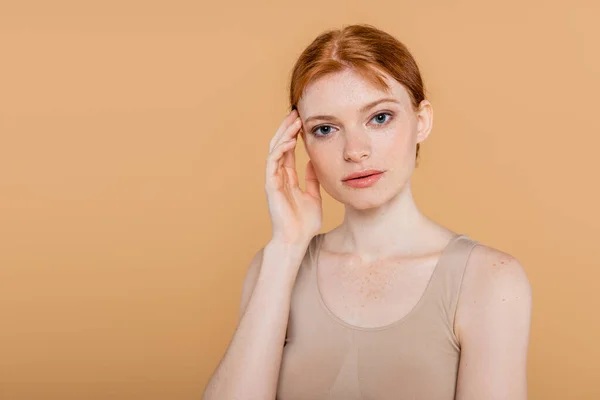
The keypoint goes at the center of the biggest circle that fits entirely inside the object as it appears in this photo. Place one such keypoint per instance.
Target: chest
(372, 294)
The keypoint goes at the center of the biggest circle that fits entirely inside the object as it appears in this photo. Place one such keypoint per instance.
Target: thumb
(312, 182)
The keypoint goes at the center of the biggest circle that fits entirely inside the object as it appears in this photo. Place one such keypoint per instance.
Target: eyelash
(316, 128)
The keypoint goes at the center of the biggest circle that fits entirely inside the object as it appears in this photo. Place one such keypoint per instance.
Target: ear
(424, 120)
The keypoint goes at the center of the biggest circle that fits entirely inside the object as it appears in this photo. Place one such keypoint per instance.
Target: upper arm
(250, 279)
(492, 324)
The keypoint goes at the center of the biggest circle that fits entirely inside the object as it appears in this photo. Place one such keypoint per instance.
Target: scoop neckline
(413, 310)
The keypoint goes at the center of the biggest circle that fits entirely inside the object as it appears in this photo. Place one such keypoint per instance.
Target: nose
(357, 147)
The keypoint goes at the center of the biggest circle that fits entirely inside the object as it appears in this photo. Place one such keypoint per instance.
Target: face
(345, 131)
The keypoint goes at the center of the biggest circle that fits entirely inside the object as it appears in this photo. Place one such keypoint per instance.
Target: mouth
(363, 180)
(361, 175)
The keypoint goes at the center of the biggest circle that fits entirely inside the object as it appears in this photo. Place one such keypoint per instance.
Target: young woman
(389, 304)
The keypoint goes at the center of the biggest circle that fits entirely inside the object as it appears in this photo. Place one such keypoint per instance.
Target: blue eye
(314, 131)
(384, 119)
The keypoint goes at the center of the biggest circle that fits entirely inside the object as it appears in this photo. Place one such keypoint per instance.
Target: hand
(296, 215)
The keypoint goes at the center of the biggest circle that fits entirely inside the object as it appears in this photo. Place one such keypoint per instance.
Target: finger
(274, 160)
(290, 132)
(289, 158)
(288, 162)
(312, 182)
(289, 119)
(292, 176)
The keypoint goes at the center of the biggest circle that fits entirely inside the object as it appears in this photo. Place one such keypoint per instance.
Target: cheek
(325, 160)
(403, 137)
(390, 141)
(317, 149)
(394, 148)
(318, 156)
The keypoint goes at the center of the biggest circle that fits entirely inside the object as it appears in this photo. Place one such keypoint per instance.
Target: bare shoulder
(495, 285)
(493, 266)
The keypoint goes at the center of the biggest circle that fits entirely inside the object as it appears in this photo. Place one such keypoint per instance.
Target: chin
(364, 199)
(363, 205)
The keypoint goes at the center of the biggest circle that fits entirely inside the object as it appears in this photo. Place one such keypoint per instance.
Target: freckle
(494, 265)
(503, 299)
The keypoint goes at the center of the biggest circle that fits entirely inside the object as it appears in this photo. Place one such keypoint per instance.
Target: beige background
(133, 137)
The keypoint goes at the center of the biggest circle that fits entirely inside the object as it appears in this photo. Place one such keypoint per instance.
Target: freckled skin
(373, 293)
(502, 262)
(372, 281)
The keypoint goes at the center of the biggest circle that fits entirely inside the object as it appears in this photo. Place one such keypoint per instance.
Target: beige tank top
(416, 357)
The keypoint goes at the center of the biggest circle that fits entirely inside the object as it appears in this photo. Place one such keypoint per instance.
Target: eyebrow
(364, 108)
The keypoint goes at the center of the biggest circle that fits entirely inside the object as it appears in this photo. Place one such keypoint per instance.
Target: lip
(361, 174)
(364, 182)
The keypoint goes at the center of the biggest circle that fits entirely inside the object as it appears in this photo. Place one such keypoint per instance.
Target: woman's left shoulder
(487, 265)
(494, 286)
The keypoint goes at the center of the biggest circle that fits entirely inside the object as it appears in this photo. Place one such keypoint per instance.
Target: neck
(395, 227)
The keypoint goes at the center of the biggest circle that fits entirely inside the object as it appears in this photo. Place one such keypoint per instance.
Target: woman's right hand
(296, 215)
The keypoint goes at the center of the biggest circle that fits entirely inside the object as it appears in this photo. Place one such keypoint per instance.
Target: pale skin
(374, 266)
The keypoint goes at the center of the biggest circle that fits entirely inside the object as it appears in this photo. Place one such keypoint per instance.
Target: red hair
(364, 49)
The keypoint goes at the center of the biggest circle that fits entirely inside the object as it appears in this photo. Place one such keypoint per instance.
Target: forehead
(346, 91)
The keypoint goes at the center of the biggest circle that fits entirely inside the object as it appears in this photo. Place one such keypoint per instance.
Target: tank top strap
(308, 261)
(313, 247)
(448, 275)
